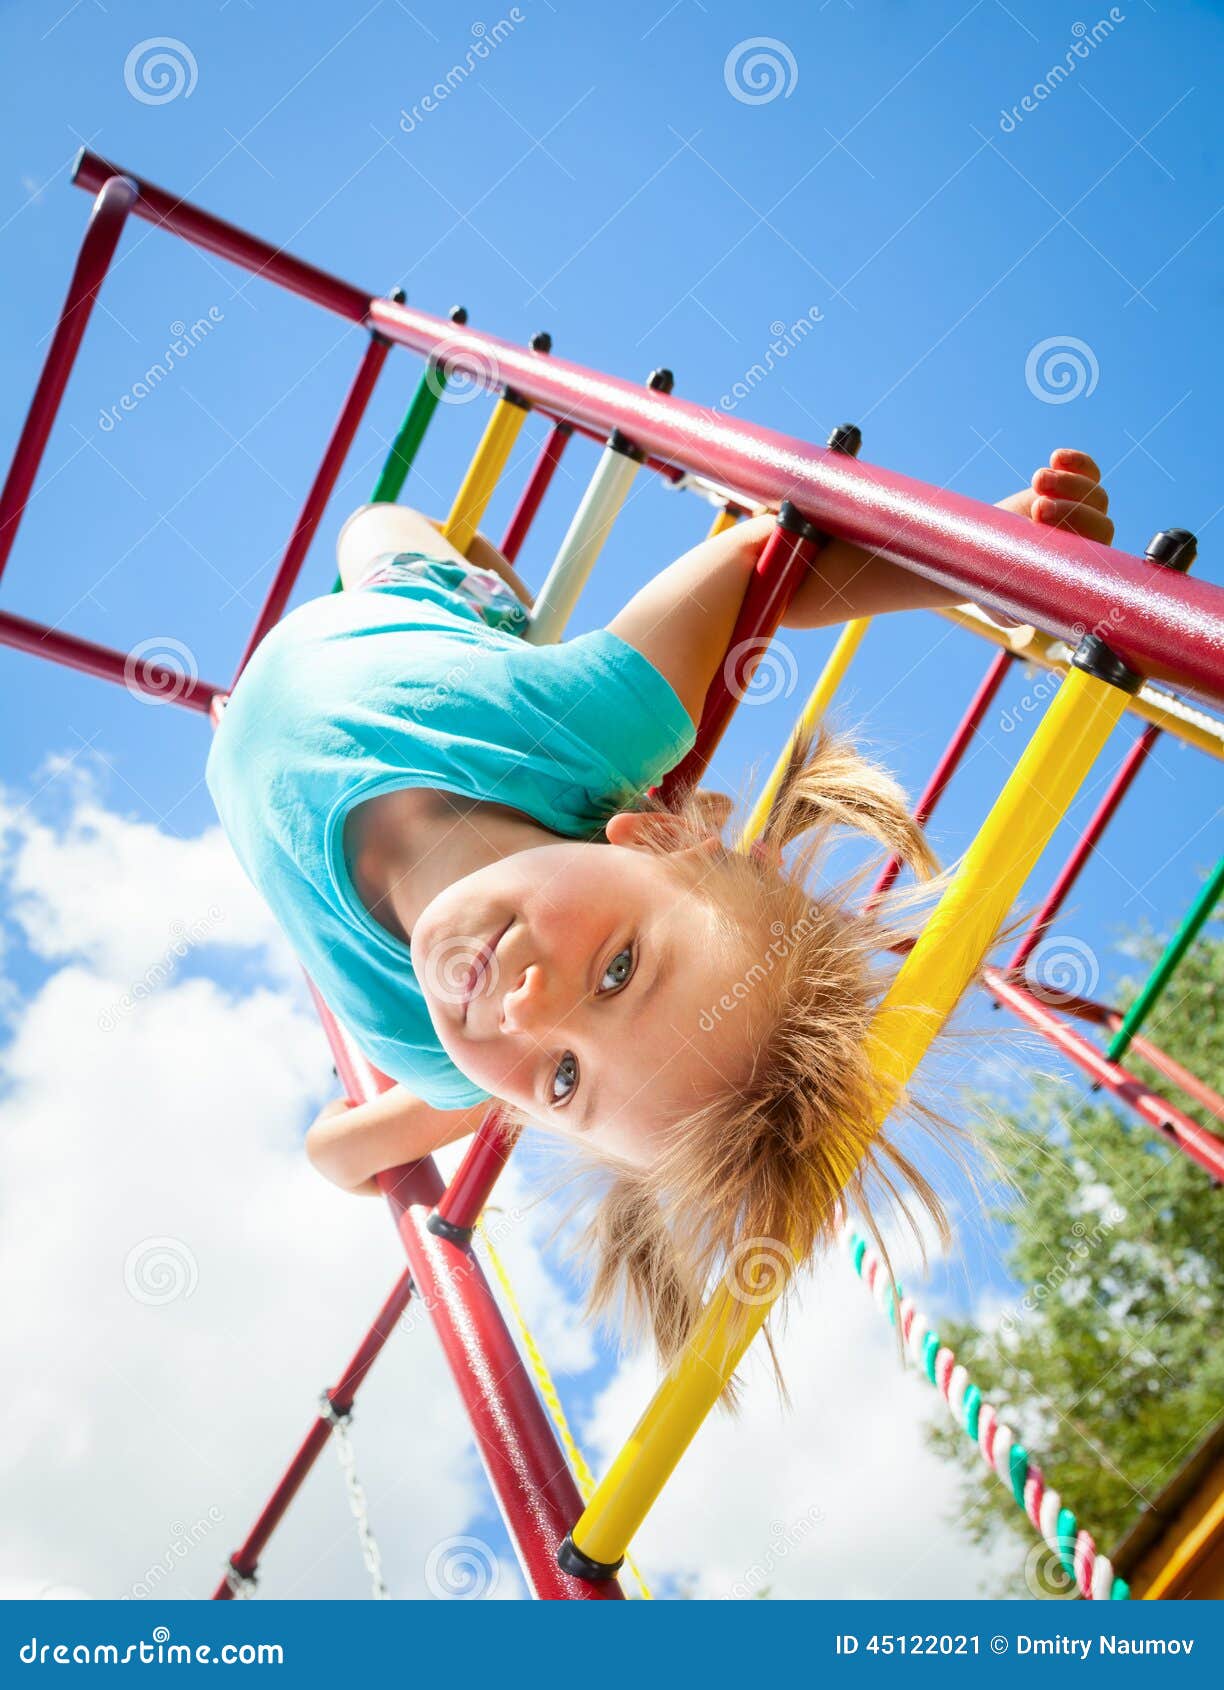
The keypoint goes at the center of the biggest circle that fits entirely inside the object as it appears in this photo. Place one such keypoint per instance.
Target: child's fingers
(1079, 518)
(1079, 489)
(1079, 463)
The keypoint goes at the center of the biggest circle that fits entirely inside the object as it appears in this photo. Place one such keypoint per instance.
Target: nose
(525, 1007)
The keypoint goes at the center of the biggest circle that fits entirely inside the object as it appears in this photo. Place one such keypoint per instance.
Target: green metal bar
(411, 432)
(1158, 979)
(407, 442)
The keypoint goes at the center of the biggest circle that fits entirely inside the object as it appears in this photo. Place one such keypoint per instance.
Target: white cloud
(839, 1498)
(181, 1286)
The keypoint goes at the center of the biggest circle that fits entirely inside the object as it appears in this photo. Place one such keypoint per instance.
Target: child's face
(573, 981)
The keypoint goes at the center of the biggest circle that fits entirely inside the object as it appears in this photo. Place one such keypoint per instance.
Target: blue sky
(595, 175)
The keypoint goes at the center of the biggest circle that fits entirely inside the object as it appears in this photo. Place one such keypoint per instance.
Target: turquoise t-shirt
(405, 685)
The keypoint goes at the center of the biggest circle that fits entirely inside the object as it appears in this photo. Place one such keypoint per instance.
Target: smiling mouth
(478, 973)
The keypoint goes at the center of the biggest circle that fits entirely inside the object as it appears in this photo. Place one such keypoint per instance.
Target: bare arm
(350, 1143)
(682, 620)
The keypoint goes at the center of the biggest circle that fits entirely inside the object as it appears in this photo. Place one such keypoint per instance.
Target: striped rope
(548, 1390)
(998, 1445)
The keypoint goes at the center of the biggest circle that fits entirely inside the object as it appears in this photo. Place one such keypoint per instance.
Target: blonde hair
(750, 1185)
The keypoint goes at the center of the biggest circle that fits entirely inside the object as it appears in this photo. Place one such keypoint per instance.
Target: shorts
(493, 600)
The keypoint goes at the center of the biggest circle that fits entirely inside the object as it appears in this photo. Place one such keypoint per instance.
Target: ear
(656, 830)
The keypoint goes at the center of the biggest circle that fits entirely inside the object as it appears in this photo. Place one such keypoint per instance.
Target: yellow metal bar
(927, 986)
(839, 660)
(483, 473)
(1163, 709)
(727, 517)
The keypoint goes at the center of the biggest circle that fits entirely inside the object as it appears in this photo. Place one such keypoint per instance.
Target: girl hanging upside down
(449, 824)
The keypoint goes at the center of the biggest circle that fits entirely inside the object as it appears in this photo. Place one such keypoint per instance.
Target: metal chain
(370, 1552)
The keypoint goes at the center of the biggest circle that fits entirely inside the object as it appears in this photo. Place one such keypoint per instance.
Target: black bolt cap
(661, 381)
(1173, 548)
(458, 314)
(541, 342)
(846, 438)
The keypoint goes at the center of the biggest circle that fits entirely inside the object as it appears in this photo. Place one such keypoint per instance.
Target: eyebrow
(663, 970)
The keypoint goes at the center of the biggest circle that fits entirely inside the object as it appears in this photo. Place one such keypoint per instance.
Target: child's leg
(374, 530)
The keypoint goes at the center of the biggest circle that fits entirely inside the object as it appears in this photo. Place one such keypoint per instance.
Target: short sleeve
(615, 700)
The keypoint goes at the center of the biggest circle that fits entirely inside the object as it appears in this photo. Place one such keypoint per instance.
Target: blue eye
(565, 1080)
(618, 972)
(621, 970)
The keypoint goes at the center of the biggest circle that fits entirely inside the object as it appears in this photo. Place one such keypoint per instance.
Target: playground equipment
(1162, 627)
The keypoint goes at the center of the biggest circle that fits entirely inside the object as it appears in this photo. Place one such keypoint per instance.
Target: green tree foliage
(1109, 1362)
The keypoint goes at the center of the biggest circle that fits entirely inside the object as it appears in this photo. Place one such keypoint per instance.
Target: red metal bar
(785, 558)
(531, 1479)
(533, 493)
(102, 232)
(1087, 843)
(1172, 1070)
(1194, 1141)
(136, 673)
(476, 1175)
(1101, 1015)
(1172, 627)
(245, 1560)
(951, 760)
(214, 234)
(321, 489)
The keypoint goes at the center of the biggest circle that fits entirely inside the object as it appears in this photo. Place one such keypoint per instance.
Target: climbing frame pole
(1201, 1146)
(587, 534)
(116, 197)
(927, 986)
(1084, 848)
(784, 560)
(412, 430)
(950, 761)
(244, 1562)
(485, 470)
(321, 489)
(532, 496)
(531, 1481)
(1157, 981)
